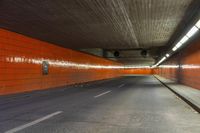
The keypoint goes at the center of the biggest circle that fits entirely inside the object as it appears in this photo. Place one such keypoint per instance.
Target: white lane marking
(102, 94)
(121, 85)
(33, 122)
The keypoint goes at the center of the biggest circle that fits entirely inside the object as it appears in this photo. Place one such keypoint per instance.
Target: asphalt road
(134, 104)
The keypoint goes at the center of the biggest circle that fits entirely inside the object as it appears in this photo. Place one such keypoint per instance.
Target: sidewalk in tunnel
(190, 94)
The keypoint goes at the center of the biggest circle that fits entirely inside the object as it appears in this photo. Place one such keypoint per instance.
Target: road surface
(132, 104)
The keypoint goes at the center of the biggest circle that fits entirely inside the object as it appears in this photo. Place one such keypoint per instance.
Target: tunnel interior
(100, 66)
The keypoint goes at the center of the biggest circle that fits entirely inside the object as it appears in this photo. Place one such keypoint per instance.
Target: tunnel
(99, 66)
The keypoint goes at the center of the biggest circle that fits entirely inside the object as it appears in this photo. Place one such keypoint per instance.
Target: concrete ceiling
(105, 24)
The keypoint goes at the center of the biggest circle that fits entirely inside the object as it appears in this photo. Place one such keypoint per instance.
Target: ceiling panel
(95, 23)
(106, 24)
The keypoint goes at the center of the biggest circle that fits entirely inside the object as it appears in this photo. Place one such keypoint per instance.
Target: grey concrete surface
(189, 93)
(134, 104)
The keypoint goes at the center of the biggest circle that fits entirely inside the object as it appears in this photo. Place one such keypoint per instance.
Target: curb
(196, 108)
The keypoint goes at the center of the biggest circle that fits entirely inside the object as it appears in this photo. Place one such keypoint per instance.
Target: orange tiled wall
(184, 67)
(21, 69)
(142, 71)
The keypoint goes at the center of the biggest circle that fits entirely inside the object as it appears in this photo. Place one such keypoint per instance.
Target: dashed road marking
(102, 94)
(121, 85)
(19, 128)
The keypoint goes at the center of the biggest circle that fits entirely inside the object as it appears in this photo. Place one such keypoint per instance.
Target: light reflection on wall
(68, 64)
(58, 63)
(191, 66)
(169, 66)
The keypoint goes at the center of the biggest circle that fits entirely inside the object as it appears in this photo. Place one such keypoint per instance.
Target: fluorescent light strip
(164, 58)
(189, 34)
(184, 39)
(175, 48)
(192, 31)
(198, 24)
(179, 44)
